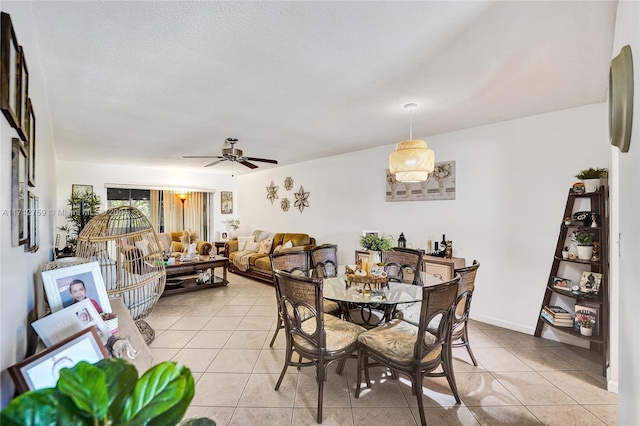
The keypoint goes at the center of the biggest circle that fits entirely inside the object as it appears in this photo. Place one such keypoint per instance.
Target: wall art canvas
(440, 185)
(226, 202)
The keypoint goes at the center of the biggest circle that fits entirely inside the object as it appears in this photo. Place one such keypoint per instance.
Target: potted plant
(375, 244)
(108, 393)
(84, 206)
(584, 242)
(565, 252)
(586, 327)
(591, 178)
(232, 226)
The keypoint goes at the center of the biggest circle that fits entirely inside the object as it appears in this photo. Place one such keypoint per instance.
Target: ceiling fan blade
(248, 164)
(215, 162)
(201, 156)
(264, 160)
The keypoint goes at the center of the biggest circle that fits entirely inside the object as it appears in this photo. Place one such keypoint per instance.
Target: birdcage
(127, 248)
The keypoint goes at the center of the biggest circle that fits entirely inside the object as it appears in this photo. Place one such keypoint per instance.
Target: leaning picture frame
(562, 283)
(59, 325)
(63, 286)
(42, 370)
(590, 282)
(9, 72)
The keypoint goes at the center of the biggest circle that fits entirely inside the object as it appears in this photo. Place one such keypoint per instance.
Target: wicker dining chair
(414, 351)
(399, 261)
(290, 261)
(324, 260)
(460, 334)
(319, 338)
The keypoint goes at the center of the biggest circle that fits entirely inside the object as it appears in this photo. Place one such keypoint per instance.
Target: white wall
(20, 286)
(628, 32)
(512, 180)
(99, 175)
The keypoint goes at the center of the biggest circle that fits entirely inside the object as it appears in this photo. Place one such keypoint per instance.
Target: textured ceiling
(147, 82)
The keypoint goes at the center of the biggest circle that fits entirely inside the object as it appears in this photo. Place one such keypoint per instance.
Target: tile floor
(223, 334)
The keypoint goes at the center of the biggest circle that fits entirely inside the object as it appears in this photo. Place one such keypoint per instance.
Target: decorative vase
(441, 188)
(586, 331)
(591, 185)
(374, 257)
(565, 254)
(233, 234)
(585, 252)
(192, 249)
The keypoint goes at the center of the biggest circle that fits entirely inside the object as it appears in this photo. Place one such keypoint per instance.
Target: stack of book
(557, 316)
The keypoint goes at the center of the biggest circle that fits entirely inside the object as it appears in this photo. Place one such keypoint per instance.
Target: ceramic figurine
(595, 257)
(119, 347)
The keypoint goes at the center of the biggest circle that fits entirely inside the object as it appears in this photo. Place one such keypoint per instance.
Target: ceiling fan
(232, 154)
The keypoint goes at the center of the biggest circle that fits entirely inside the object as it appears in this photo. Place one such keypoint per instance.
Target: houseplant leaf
(161, 396)
(32, 408)
(86, 385)
(121, 378)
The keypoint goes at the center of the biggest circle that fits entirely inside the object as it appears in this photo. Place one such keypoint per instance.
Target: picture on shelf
(562, 283)
(73, 284)
(587, 313)
(59, 325)
(43, 369)
(590, 282)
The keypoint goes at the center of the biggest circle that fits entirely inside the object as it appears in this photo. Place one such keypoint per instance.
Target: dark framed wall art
(19, 223)
(9, 73)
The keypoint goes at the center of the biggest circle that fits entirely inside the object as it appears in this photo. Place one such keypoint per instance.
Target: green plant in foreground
(592, 173)
(108, 393)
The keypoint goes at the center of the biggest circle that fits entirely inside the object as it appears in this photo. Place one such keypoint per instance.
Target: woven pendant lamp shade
(127, 248)
(412, 161)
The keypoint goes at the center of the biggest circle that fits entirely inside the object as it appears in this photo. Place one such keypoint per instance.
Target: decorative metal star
(272, 192)
(288, 183)
(285, 204)
(302, 199)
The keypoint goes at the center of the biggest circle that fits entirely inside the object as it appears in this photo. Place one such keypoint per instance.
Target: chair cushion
(396, 340)
(330, 306)
(340, 333)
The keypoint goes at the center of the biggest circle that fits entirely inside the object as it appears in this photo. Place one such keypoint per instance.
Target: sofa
(171, 243)
(257, 264)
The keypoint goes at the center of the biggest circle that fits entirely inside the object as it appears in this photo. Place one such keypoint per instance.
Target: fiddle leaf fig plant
(108, 393)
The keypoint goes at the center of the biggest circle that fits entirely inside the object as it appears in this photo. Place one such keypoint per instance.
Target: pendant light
(412, 161)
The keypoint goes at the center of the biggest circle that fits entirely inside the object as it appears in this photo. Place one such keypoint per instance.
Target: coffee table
(185, 271)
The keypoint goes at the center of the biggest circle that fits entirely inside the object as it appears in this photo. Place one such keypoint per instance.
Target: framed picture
(24, 98)
(366, 232)
(70, 285)
(9, 72)
(82, 189)
(32, 146)
(42, 370)
(19, 223)
(224, 236)
(33, 217)
(440, 185)
(562, 283)
(226, 202)
(590, 282)
(59, 325)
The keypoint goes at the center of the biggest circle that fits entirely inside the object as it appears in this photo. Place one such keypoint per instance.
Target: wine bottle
(435, 248)
(443, 243)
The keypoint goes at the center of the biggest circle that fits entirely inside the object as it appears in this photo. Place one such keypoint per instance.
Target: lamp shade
(412, 161)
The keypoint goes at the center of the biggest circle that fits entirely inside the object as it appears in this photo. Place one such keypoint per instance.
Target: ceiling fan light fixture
(412, 161)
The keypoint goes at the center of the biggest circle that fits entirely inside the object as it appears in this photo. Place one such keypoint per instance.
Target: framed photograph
(33, 217)
(590, 282)
(9, 72)
(562, 283)
(59, 325)
(73, 284)
(226, 202)
(224, 236)
(24, 98)
(366, 232)
(82, 189)
(32, 146)
(19, 223)
(42, 370)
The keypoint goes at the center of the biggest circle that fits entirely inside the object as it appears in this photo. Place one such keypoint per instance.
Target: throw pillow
(288, 244)
(175, 246)
(143, 246)
(278, 248)
(252, 246)
(242, 242)
(265, 246)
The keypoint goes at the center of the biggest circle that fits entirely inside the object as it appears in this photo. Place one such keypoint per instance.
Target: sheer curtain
(155, 210)
(193, 212)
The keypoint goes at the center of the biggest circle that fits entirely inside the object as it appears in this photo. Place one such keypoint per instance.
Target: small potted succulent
(592, 178)
(565, 252)
(586, 327)
(584, 242)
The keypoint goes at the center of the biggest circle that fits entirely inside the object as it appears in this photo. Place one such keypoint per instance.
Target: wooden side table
(219, 245)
